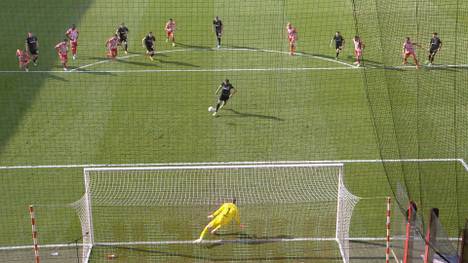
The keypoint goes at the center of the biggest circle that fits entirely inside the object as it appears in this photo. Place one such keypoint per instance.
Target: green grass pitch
(288, 108)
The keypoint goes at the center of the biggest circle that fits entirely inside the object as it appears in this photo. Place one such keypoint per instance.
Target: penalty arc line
(78, 69)
(222, 49)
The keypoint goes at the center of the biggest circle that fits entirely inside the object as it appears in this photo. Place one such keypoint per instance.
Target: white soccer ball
(210, 109)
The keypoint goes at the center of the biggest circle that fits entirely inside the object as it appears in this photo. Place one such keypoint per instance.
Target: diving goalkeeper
(221, 217)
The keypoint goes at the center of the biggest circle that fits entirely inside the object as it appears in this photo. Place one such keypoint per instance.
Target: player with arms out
(122, 33)
(221, 217)
(32, 47)
(72, 35)
(218, 28)
(339, 43)
(111, 45)
(408, 50)
(292, 38)
(170, 30)
(227, 91)
(148, 43)
(23, 59)
(62, 52)
(358, 47)
(434, 46)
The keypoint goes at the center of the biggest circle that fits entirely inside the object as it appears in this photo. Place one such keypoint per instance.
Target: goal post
(286, 204)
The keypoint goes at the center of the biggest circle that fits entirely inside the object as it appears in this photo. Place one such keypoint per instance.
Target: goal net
(301, 209)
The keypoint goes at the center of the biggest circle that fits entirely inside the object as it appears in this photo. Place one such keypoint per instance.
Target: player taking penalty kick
(62, 51)
(221, 217)
(227, 91)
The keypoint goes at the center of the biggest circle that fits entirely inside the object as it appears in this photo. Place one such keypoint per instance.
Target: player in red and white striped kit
(62, 51)
(111, 45)
(72, 34)
(292, 38)
(170, 30)
(358, 47)
(23, 59)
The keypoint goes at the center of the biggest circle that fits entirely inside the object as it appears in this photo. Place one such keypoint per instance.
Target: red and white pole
(387, 249)
(34, 234)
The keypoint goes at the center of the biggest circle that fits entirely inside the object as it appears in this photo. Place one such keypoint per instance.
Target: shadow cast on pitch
(247, 115)
(178, 63)
(55, 77)
(94, 72)
(193, 46)
(227, 259)
(247, 239)
(137, 63)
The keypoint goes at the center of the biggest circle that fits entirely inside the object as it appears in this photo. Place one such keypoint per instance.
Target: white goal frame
(88, 229)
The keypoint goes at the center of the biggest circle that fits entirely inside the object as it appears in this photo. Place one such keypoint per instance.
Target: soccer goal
(285, 207)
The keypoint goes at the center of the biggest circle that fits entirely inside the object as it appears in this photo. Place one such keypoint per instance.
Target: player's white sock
(74, 57)
(214, 113)
(173, 44)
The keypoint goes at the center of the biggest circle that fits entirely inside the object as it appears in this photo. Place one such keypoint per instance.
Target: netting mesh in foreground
(288, 205)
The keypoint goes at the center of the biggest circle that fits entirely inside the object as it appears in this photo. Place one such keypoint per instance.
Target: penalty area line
(61, 166)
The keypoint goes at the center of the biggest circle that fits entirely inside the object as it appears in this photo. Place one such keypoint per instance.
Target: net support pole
(387, 249)
(34, 234)
(464, 244)
(430, 236)
(409, 236)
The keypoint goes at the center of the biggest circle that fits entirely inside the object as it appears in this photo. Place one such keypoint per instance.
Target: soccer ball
(210, 109)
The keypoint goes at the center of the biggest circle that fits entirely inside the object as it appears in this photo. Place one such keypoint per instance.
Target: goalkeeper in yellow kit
(221, 217)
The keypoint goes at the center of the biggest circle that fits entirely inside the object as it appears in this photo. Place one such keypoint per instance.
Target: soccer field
(307, 107)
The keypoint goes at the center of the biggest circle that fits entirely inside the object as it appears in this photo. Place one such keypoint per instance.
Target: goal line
(214, 241)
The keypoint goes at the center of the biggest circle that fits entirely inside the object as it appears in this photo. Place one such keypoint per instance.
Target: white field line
(464, 164)
(187, 70)
(123, 58)
(101, 62)
(78, 69)
(427, 67)
(219, 241)
(213, 70)
(231, 163)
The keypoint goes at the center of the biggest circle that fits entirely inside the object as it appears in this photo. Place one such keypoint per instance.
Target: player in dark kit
(218, 28)
(122, 33)
(227, 90)
(434, 46)
(148, 43)
(32, 46)
(339, 43)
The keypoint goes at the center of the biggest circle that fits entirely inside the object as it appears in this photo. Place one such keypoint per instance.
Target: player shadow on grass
(178, 63)
(224, 259)
(245, 114)
(55, 77)
(246, 239)
(192, 46)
